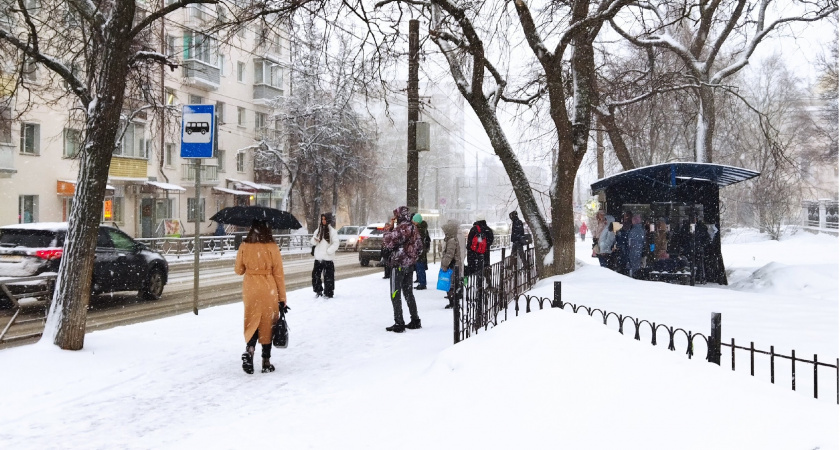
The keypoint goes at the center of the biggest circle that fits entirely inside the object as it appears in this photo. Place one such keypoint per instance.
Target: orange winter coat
(263, 286)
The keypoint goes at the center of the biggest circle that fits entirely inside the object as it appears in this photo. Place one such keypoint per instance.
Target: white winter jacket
(325, 251)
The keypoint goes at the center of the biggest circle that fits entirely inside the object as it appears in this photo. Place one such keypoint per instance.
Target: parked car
(348, 237)
(370, 243)
(120, 263)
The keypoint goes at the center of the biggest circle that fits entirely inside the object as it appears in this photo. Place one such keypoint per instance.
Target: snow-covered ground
(547, 379)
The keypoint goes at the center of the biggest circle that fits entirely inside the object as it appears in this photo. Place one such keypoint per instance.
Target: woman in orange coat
(263, 290)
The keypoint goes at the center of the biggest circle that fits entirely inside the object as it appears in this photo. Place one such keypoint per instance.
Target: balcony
(209, 174)
(264, 94)
(201, 75)
(7, 161)
(128, 168)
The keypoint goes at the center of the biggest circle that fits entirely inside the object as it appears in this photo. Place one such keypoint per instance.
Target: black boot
(266, 355)
(248, 360)
(413, 325)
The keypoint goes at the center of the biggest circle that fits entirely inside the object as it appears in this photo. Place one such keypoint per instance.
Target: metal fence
(219, 244)
(484, 296)
(713, 342)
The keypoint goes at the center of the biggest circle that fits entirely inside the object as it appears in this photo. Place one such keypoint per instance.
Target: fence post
(715, 339)
(557, 303)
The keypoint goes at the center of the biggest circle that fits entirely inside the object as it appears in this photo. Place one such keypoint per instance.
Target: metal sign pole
(197, 243)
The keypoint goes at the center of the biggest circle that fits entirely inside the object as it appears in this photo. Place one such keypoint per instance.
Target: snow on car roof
(46, 226)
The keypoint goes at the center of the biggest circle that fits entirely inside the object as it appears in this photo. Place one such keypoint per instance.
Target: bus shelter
(683, 194)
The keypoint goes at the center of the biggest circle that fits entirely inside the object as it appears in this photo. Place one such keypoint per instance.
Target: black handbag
(280, 331)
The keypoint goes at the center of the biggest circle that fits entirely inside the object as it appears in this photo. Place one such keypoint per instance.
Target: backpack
(479, 242)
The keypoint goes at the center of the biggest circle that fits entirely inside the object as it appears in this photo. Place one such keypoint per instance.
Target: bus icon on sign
(197, 127)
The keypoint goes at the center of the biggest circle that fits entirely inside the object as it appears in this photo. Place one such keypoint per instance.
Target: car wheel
(153, 287)
(365, 262)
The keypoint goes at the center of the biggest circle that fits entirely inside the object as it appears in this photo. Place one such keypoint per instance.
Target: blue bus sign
(197, 125)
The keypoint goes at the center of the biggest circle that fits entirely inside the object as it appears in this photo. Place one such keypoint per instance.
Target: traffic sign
(197, 126)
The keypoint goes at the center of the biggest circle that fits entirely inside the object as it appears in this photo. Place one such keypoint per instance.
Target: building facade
(150, 189)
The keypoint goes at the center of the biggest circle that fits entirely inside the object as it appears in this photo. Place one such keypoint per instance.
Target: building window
(170, 97)
(220, 112)
(112, 209)
(201, 47)
(5, 125)
(260, 120)
(168, 154)
(133, 142)
(240, 71)
(266, 72)
(28, 209)
(30, 138)
(240, 116)
(72, 141)
(30, 71)
(196, 99)
(191, 210)
(172, 48)
(240, 162)
(220, 160)
(222, 65)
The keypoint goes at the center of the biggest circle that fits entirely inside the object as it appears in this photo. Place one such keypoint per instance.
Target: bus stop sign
(197, 125)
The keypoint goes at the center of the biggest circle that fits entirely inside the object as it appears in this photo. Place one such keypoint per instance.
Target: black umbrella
(244, 216)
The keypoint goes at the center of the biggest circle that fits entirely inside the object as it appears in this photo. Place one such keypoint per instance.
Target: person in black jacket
(479, 241)
(517, 237)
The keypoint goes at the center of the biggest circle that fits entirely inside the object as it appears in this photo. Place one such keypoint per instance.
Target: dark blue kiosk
(686, 196)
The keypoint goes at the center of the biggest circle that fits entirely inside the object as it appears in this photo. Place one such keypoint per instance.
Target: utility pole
(411, 188)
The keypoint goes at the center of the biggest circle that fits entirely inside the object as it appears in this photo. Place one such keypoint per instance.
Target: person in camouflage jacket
(402, 239)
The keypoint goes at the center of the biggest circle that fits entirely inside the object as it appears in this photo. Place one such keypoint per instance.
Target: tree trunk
(616, 139)
(705, 125)
(67, 317)
(521, 188)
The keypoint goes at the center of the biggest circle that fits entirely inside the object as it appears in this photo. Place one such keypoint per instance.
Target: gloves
(283, 307)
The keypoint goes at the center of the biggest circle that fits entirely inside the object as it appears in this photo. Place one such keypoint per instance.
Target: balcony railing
(264, 93)
(209, 174)
(201, 74)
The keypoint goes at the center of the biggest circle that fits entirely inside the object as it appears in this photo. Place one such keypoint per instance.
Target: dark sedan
(120, 264)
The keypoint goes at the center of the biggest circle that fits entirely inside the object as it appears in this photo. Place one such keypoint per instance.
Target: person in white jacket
(325, 241)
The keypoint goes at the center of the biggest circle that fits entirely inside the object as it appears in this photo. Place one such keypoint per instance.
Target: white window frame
(240, 71)
(168, 154)
(220, 160)
(240, 116)
(191, 209)
(72, 142)
(201, 47)
(30, 140)
(139, 143)
(269, 73)
(240, 162)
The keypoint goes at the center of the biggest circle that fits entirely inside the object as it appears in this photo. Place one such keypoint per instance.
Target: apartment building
(150, 189)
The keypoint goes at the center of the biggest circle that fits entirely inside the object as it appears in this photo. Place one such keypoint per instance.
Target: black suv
(121, 263)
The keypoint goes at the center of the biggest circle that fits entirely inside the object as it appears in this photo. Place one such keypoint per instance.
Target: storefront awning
(68, 187)
(219, 190)
(165, 186)
(252, 185)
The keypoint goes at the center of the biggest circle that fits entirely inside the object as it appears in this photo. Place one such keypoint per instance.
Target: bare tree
(100, 57)
(714, 40)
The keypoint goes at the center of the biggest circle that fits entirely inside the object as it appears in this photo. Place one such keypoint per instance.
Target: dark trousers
(401, 282)
(517, 250)
(421, 273)
(453, 294)
(328, 267)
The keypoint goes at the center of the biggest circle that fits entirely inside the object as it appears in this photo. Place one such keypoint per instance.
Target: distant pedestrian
(326, 243)
(422, 260)
(635, 246)
(452, 259)
(479, 241)
(597, 229)
(385, 254)
(263, 291)
(402, 239)
(517, 237)
(583, 230)
(606, 243)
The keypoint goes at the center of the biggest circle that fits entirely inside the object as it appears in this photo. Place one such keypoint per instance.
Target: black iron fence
(484, 305)
(486, 294)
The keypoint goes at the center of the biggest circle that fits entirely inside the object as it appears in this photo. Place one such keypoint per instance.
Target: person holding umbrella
(263, 291)
(326, 243)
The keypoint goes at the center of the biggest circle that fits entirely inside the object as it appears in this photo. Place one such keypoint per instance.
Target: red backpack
(479, 242)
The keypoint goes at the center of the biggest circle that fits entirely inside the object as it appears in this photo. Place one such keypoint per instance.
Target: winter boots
(266, 355)
(413, 325)
(396, 328)
(248, 360)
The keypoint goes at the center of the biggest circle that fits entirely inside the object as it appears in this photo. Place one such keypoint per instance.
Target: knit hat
(417, 218)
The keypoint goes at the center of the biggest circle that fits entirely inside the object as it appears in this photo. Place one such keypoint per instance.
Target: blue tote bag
(444, 280)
